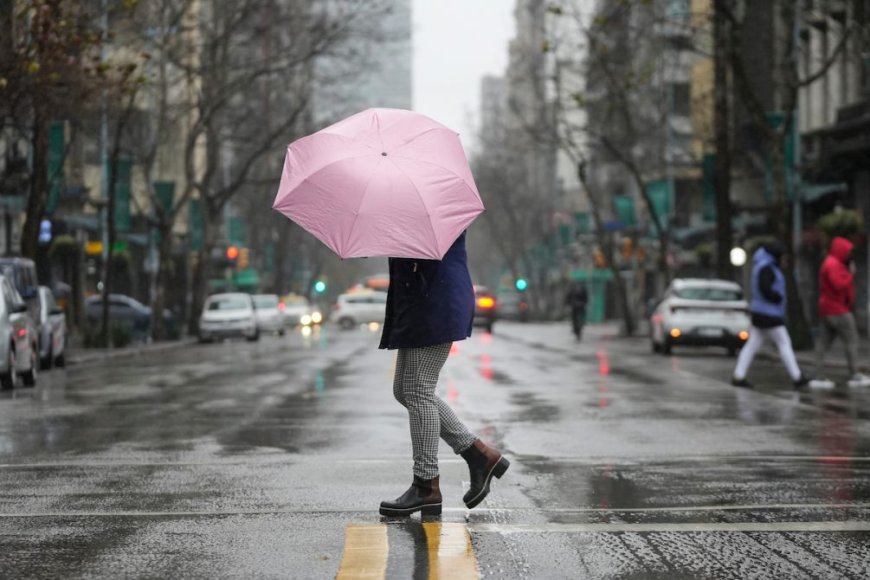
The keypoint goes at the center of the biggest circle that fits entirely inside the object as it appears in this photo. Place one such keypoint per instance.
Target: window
(709, 293)
(681, 99)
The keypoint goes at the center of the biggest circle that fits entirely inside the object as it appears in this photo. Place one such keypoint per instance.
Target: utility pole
(722, 128)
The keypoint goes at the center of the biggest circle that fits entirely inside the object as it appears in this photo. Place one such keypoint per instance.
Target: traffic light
(232, 253)
(320, 286)
(521, 284)
(244, 259)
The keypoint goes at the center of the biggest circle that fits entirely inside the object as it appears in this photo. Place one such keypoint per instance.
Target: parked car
(363, 307)
(227, 315)
(21, 273)
(485, 308)
(698, 312)
(19, 339)
(299, 312)
(127, 311)
(268, 314)
(52, 330)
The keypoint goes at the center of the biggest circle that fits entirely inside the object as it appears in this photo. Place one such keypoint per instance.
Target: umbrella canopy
(383, 182)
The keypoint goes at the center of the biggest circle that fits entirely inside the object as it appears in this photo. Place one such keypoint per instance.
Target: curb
(81, 355)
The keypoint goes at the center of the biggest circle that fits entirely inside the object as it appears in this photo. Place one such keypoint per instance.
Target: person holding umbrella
(397, 184)
(430, 304)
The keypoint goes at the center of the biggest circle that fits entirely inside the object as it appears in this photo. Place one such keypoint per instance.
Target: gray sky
(456, 42)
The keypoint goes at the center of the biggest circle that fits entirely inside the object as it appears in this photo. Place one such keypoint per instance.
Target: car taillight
(486, 302)
(282, 306)
(22, 332)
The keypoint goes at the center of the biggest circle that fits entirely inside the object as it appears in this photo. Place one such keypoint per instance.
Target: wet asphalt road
(269, 460)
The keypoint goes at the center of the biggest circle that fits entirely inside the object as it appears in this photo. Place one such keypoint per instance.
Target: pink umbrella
(383, 182)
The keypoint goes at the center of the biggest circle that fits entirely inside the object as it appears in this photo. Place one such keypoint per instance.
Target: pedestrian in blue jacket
(430, 304)
(767, 308)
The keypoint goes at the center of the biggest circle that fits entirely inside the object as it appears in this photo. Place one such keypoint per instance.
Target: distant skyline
(456, 43)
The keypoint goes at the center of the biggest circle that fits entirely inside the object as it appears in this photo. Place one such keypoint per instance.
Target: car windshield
(228, 304)
(266, 301)
(709, 293)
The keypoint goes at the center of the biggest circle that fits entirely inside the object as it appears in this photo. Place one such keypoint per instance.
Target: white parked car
(52, 330)
(299, 312)
(227, 315)
(269, 315)
(699, 312)
(19, 339)
(355, 308)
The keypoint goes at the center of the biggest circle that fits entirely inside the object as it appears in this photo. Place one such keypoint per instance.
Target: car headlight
(316, 317)
(305, 320)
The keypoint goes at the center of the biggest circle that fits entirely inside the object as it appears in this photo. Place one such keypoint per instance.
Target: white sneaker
(859, 380)
(821, 383)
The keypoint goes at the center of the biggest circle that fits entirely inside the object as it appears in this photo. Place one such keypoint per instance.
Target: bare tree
(786, 81)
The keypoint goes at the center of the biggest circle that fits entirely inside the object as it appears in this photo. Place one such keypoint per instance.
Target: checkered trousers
(417, 371)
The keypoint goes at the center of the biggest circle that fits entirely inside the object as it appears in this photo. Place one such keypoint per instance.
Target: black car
(485, 308)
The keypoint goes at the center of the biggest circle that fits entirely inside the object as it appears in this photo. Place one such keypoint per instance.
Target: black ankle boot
(424, 496)
(483, 463)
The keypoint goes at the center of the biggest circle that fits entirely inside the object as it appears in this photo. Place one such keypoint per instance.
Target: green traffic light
(319, 286)
(521, 284)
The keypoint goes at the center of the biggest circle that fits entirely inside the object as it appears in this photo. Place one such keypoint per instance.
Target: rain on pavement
(270, 459)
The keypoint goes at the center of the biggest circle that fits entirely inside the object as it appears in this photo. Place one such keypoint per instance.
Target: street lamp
(738, 257)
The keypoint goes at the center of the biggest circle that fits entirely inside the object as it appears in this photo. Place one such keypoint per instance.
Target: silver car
(19, 339)
(52, 330)
(269, 315)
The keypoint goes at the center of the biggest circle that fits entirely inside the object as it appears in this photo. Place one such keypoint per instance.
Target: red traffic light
(232, 252)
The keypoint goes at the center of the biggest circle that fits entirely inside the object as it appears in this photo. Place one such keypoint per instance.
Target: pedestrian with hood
(767, 308)
(430, 304)
(836, 298)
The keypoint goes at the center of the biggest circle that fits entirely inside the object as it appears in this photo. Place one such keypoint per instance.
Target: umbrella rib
(447, 169)
(418, 135)
(362, 198)
(422, 201)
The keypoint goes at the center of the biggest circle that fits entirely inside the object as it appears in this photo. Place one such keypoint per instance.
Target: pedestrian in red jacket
(836, 297)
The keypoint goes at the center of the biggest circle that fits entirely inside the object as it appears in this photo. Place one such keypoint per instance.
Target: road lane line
(366, 551)
(479, 511)
(451, 554)
(779, 527)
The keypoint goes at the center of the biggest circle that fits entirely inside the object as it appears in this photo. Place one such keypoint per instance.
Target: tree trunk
(164, 255)
(722, 171)
(38, 183)
(782, 219)
(201, 273)
(607, 249)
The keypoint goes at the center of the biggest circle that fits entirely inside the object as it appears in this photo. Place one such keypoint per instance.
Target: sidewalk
(78, 354)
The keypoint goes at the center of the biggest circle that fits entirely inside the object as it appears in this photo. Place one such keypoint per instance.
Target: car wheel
(60, 361)
(655, 346)
(489, 328)
(45, 364)
(732, 351)
(666, 346)
(282, 332)
(203, 339)
(9, 379)
(255, 337)
(29, 376)
(346, 323)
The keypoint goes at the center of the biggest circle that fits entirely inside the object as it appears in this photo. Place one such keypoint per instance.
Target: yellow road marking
(451, 554)
(366, 551)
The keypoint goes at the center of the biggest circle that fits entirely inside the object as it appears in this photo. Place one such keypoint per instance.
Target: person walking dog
(767, 307)
(836, 298)
(430, 304)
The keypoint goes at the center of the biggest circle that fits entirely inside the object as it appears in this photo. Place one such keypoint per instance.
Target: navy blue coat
(429, 302)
